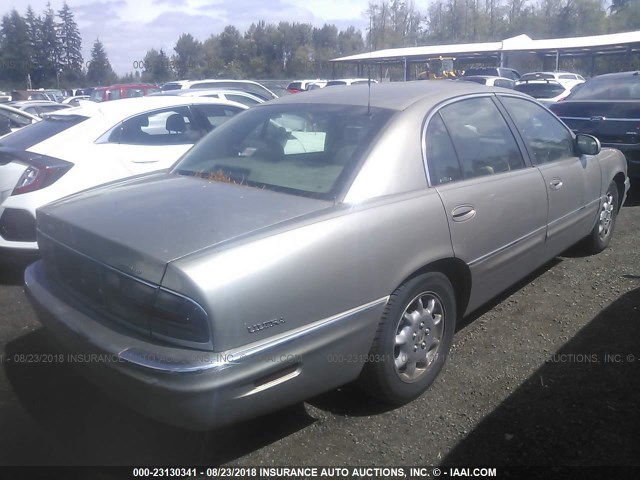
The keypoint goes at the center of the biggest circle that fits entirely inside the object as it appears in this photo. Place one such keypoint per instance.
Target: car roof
(126, 107)
(618, 74)
(196, 92)
(17, 111)
(389, 95)
(31, 103)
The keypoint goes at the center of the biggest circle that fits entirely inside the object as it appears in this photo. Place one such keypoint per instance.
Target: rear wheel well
(458, 274)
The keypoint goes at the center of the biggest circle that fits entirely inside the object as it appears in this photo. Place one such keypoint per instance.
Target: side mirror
(587, 144)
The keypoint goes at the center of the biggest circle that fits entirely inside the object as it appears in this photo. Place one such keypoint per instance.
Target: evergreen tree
(99, 71)
(47, 51)
(70, 43)
(156, 67)
(15, 58)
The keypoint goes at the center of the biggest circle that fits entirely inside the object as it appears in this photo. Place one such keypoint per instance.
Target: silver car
(313, 241)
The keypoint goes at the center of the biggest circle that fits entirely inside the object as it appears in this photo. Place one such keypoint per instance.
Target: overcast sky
(128, 28)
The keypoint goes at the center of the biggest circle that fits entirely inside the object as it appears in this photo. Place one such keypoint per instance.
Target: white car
(75, 100)
(566, 79)
(11, 119)
(489, 81)
(95, 143)
(304, 85)
(245, 85)
(239, 96)
(348, 81)
(545, 91)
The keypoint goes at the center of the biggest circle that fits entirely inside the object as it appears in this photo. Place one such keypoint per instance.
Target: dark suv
(608, 107)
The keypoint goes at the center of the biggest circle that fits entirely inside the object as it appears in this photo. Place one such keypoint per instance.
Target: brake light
(39, 176)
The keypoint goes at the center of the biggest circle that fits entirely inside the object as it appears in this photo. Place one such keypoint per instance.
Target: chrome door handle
(462, 213)
(556, 184)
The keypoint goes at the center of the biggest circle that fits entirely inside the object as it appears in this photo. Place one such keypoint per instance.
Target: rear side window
(248, 101)
(40, 131)
(441, 156)
(483, 141)
(172, 126)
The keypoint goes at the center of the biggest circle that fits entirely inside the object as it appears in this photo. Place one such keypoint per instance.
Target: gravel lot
(548, 374)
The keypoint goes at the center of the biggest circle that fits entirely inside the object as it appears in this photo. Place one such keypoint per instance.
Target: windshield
(609, 88)
(302, 149)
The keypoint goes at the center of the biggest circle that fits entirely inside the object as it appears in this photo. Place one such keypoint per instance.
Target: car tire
(602, 232)
(413, 340)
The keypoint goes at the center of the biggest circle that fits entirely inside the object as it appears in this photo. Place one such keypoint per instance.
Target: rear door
(572, 182)
(496, 203)
(152, 140)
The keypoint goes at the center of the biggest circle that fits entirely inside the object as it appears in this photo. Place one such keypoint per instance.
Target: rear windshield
(480, 80)
(537, 76)
(301, 149)
(171, 86)
(610, 88)
(38, 132)
(540, 90)
(334, 83)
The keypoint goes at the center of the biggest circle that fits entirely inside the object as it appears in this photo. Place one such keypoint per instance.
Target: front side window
(546, 137)
(301, 149)
(481, 137)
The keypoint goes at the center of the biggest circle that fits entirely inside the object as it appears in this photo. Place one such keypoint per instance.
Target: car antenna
(369, 68)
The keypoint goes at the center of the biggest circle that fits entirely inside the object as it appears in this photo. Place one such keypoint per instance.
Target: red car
(115, 92)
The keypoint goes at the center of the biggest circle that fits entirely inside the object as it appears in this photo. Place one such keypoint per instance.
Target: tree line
(47, 48)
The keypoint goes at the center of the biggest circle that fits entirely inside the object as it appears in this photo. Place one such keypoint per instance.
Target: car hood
(140, 225)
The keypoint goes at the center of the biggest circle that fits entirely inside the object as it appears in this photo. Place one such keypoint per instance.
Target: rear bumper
(202, 390)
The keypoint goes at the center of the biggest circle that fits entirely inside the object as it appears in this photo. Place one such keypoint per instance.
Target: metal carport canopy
(613, 43)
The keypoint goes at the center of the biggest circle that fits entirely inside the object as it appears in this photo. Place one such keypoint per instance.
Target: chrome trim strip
(603, 119)
(203, 361)
(508, 245)
(599, 199)
(525, 237)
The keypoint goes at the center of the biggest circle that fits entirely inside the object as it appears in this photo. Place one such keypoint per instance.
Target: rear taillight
(41, 175)
(174, 317)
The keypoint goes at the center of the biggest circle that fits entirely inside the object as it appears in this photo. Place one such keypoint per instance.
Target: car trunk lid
(138, 226)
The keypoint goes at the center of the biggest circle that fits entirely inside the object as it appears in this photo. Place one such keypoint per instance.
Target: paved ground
(549, 374)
